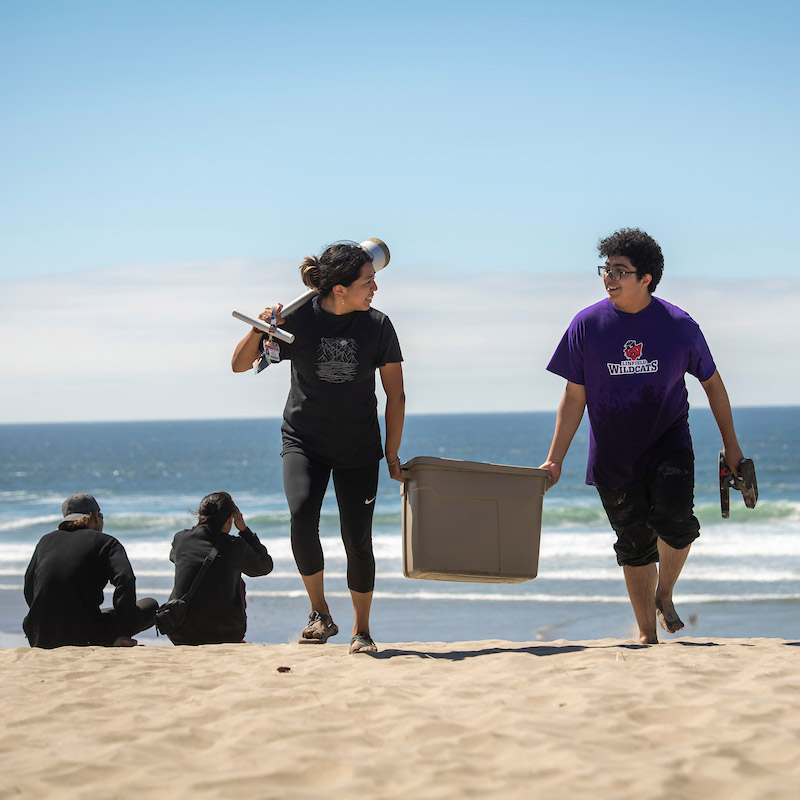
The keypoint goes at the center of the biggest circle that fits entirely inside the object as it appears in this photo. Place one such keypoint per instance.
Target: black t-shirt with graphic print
(331, 412)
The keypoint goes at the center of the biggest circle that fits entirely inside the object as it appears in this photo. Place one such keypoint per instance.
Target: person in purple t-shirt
(624, 360)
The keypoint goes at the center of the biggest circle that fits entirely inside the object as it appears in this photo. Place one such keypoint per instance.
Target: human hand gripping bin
(470, 521)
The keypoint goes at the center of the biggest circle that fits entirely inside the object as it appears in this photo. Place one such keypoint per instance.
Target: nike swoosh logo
(367, 502)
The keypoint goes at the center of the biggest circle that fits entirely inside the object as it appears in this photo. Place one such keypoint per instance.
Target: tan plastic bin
(468, 521)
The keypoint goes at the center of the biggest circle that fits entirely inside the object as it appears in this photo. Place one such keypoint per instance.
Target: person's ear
(339, 292)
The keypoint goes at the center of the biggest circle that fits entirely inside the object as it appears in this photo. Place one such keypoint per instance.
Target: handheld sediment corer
(746, 483)
(380, 258)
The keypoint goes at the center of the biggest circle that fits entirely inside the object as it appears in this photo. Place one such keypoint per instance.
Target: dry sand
(689, 718)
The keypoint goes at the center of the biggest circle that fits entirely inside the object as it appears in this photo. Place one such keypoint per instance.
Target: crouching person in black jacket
(65, 579)
(216, 612)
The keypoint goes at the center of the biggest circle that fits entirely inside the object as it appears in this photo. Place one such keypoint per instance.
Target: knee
(305, 512)
(359, 544)
(679, 540)
(146, 613)
(148, 606)
(676, 530)
(636, 545)
(360, 564)
(359, 553)
(636, 556)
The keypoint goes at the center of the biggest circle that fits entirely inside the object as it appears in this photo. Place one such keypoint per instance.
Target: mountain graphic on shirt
(337, 360)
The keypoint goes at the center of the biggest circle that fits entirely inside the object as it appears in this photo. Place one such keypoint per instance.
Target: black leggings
(305, 481)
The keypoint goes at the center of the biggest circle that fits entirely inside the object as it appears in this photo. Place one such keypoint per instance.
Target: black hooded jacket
(216, 613)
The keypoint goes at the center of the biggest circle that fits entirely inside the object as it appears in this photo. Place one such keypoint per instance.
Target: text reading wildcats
(634, 364)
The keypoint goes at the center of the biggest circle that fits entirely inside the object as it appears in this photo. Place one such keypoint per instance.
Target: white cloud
(154, 342)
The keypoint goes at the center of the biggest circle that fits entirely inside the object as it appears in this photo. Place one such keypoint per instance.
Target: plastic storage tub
(469, 521)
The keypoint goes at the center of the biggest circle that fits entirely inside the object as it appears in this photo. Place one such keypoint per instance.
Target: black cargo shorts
(661, 508)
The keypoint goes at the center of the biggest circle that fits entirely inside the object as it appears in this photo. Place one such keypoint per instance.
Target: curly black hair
(642, 249)
(339, 263)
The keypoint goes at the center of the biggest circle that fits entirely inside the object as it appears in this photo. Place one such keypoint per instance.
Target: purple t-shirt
(632, 367)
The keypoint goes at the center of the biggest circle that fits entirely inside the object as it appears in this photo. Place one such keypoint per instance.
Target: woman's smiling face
(358, 295)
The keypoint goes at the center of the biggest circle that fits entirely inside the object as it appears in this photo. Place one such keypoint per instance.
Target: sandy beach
(690, 718)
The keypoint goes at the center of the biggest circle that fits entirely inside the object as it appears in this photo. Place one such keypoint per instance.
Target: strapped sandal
(746, 483)
(320, 628)
(362, 643)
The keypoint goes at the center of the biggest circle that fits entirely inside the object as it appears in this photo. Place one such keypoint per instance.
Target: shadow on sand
(532, 650)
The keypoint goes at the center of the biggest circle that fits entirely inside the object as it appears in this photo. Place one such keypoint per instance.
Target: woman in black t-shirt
(330, 422)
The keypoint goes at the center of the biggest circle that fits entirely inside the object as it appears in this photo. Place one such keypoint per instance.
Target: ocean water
(742, 577)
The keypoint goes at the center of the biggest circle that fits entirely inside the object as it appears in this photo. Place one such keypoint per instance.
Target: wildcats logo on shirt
(634, 363)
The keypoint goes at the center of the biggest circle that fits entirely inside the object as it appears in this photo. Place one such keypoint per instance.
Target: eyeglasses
(613, 273)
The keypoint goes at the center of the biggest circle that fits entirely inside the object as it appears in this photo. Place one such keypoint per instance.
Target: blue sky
(161, 161)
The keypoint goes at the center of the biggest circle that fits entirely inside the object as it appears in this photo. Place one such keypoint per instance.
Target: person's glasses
(614, 273)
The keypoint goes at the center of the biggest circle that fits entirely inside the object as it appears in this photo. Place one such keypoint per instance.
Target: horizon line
(410, 414)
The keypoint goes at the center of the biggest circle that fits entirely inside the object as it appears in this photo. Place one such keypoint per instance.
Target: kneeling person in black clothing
(216, 611)
(65, 580)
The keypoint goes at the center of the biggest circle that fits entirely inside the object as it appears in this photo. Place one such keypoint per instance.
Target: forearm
(30, 577)
(721, 409)
(120, 575)
(124, 601)
(257, 560)
(394, 418)
(246, 351)
(570, 414)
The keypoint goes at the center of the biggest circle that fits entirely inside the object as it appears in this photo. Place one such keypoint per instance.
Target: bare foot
(124, 641)
(668, 617)
(648, 638)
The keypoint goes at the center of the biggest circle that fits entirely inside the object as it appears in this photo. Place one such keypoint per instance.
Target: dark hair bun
(215, 509)
(339, 263)
(310, 272)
